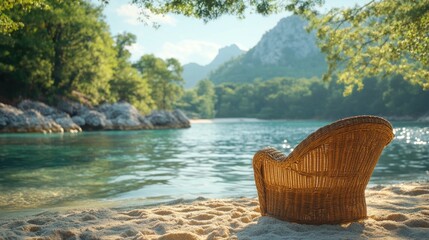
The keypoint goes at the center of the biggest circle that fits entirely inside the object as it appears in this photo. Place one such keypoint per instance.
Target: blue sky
(188, 39)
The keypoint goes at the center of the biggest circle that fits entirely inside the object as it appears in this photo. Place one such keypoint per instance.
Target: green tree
(404, 99)
(189, 103)
(127, 83)
(83, 57)
(284, 98)
(59, 49)
(226, 100)
(206, 98)
(312, 98)
(209, 10)
(379, 39)
(25, 64)
(9, 21)
(164, 78)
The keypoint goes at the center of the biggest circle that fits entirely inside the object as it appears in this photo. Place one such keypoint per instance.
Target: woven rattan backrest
(342, 154)
(344, 125)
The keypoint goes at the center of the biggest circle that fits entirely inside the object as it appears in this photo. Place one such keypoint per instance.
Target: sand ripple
(396, 212)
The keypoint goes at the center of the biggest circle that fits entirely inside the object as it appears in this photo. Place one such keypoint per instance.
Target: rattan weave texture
(323, 180)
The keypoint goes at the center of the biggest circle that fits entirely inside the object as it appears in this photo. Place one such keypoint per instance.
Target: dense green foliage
(311, 98)
(65, 49)
(128, 83)
(379, 39)
(209, 10)
(9, 22)
(59, 49)
(199, 102)
(164, 78)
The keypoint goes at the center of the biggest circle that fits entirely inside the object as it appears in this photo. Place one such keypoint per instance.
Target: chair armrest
(259, 159)
(271, 153)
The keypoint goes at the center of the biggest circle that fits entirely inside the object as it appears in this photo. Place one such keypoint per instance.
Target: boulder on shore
(33, 116)
(95, 120)
(14, 120)
(53, 114)
(70, 107)
(124, 116)
(40, 107)
(164, 119)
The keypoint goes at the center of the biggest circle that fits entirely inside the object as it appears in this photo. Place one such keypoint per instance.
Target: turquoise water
(211, 160)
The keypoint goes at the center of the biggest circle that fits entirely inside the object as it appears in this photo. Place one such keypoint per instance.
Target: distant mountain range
(287, 50)
(193, 72)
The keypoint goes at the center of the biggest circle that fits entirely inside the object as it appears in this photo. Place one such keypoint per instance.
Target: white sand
(395, 212)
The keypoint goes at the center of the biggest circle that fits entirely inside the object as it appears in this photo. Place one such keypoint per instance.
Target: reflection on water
(209, 160)
(407, 156)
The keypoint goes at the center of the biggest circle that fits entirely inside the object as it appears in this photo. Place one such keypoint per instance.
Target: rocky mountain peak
(225, 54)
(287, 40)
(287, 50)
(193, 72)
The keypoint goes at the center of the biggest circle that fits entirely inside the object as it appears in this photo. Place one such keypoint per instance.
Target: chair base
(317, 207)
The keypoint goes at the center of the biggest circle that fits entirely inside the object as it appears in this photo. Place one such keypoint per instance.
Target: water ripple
(210, 160)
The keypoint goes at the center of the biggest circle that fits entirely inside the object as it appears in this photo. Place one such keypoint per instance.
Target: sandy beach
(395, 212)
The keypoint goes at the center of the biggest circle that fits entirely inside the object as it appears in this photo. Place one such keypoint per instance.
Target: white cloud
(136, 50)
(190, 51)
(133, 15)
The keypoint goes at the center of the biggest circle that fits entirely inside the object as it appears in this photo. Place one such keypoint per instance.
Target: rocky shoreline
(36, 117)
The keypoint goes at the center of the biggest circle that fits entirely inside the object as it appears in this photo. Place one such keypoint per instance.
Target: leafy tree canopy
(164, 78)
(380, 39)
(64, 48)
(291, 98)
(127, 83)
(8, 23)
(199, 102)
(213, 9)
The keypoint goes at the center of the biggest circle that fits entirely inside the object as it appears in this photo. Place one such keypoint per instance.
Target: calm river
(211, 160)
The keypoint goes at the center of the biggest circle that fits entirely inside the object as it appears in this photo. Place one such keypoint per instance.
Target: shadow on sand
(268, 228)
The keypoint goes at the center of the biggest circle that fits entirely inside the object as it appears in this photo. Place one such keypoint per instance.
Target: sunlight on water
(407, 156)
(286, 147)
(209, 160)
(412, 136)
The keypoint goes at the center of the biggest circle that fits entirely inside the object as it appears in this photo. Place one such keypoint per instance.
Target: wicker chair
(323, 180)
